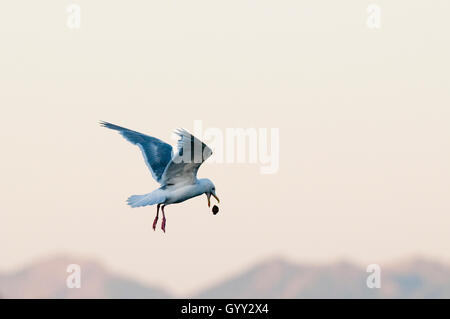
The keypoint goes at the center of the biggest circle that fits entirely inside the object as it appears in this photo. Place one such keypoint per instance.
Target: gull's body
(172, 194)
(177, 194)
(176, 172)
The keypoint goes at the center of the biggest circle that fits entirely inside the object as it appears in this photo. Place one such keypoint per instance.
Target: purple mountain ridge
(275, 278)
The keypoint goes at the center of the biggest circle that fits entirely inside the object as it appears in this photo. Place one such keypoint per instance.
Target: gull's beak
(217, 198)
(209, 199)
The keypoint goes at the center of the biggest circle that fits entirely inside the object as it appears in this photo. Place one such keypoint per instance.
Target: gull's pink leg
(156, 218)
(163, 225)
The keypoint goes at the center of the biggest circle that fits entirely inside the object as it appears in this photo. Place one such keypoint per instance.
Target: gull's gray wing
(184, 165)
(157, 154)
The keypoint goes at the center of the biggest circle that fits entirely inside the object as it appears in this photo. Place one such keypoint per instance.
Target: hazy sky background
(364, 120)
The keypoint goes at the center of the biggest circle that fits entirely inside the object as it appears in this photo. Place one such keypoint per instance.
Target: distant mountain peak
(46, 278)
(278, 278)
(274, 278)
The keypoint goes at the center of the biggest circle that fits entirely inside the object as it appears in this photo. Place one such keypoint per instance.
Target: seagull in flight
(175, 171)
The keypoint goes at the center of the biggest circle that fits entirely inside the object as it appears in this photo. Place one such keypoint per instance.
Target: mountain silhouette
(274, 278)
(278, 278)
(47, 279)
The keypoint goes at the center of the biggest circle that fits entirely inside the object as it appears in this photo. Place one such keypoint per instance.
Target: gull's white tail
(155, 197)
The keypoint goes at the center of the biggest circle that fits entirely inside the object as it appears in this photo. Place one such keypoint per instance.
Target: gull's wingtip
(181, 131)
(109, 125)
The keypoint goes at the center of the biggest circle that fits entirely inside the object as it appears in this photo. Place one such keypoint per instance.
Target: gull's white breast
(177, 194)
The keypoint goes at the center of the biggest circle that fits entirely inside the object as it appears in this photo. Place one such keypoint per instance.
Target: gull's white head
(209, 189)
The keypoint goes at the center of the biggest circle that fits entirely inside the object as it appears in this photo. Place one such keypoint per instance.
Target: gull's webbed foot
(155, 221)
(163, 225)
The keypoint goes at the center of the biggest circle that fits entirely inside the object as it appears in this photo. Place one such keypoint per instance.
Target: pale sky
(363, 115)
